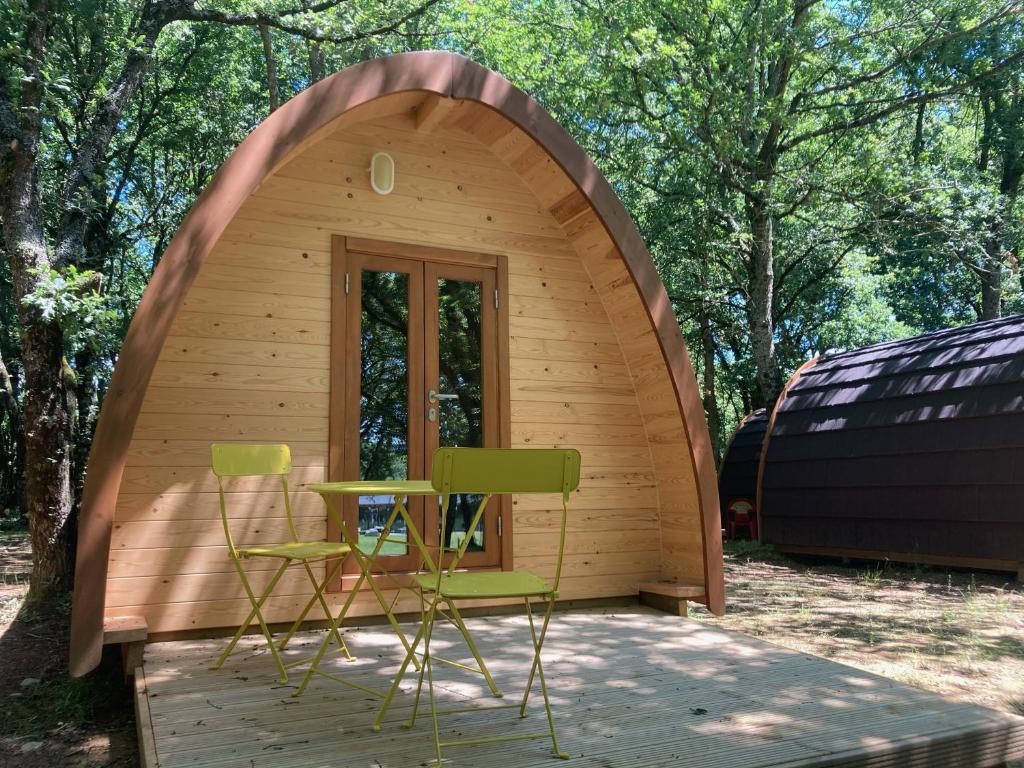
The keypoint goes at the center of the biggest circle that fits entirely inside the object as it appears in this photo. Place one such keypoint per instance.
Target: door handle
(433, 396)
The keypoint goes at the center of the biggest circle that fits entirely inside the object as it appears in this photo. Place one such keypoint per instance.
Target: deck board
(628, 686)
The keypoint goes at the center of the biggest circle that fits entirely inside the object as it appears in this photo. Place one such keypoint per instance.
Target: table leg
(366, 574)
(332, 626)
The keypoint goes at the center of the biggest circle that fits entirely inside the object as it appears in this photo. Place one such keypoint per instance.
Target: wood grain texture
(764, 705)
(249, 359)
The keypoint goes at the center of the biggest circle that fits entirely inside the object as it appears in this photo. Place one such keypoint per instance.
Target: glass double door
(420, 372)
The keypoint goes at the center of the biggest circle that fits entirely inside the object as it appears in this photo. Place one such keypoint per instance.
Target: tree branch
(186, 11)
(906, 101)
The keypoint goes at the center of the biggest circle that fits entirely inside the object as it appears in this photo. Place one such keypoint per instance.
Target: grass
(53, 700)
(959, 634)
(54, 705)
(368, 541)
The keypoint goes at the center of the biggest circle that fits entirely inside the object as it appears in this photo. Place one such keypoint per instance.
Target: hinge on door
(495, 298)
(499, 525)
(346, 282)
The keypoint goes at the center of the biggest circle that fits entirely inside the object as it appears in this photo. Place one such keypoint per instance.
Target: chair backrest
(740, 508)
(251, 460)
(506, 470)
(488, 471)
(239, 460)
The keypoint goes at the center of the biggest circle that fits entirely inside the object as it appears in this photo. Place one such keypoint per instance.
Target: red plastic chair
(740, 512)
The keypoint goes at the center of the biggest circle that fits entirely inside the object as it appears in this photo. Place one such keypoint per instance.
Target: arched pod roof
(296, 125)
(909, 449)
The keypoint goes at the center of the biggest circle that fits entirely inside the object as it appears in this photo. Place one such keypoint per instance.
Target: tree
(775, 96)
(46, 238)
(751, 140)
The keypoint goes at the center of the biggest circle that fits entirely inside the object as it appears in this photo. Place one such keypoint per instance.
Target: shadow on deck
(631, 687)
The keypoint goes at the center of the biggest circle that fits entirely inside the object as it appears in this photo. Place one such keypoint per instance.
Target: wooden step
(131, 632)
(124, 629)
(670, 596)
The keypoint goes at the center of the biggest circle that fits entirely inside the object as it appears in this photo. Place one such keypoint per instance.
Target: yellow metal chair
(487, 471)
(236, 460)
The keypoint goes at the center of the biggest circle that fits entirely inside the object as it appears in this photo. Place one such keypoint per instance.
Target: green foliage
(73, 300)
(883, 221)
(877, 232)
(863, 290)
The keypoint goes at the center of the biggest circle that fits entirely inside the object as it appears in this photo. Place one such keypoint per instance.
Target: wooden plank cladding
(242, 346)
(910, 450)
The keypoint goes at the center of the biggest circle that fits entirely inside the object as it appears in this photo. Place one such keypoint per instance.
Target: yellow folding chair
(236, 460)
(487, 471)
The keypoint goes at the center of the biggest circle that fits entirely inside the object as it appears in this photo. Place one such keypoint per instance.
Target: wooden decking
(632, 687)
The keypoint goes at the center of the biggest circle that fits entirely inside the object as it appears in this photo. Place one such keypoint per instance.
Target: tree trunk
(317, 62)
(991, 276)
(997, 249)
(46, 420)
(762, 296)
(268, 56)
(47, 452)
(709, 395)
(917, 147)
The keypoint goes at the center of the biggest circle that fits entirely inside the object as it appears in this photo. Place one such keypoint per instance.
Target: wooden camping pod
(910, 450)
(240, 337)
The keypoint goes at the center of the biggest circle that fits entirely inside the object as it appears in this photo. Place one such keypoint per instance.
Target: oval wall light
(382, 173)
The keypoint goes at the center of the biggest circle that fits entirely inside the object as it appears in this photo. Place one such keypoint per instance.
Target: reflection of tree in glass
(384, 407)
(461, 372)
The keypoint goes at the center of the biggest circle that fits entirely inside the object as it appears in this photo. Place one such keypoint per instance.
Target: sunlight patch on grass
(956, 633)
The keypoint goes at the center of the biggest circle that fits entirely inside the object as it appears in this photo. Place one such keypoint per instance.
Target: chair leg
(318, 595)
(364, 567)
(428, 667)
(258, 614)
(538, 644)
(429, 614)
(536, 656)
(333, 624)
(433, 702)
(409, 657)
(457, 620)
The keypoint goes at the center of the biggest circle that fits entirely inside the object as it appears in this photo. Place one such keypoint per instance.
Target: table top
(376, 488)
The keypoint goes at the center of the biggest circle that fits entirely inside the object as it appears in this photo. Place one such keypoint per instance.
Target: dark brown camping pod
(910, 450)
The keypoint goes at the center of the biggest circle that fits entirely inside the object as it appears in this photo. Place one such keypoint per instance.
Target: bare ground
(46, 718)
(957, 633)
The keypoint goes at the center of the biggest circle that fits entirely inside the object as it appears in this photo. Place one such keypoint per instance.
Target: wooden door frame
(343, 367)
(356, 263)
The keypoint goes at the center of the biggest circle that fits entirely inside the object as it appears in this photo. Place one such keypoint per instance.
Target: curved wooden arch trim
(768, 437)
(288, 130)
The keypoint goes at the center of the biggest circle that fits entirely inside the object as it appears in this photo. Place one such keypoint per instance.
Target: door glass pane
(383, 401)
(460, 371)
